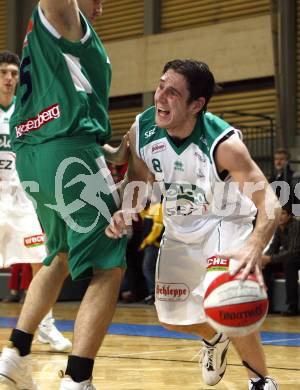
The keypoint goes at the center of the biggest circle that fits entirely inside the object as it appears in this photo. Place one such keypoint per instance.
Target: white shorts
(21, 236)
(183, 273)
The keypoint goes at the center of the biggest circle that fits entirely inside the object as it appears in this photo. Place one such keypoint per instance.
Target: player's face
(279, 160)
(91, 8)
(9, 76)
(171, 96)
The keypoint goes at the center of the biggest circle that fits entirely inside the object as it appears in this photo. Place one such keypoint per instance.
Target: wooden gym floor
(138, 354)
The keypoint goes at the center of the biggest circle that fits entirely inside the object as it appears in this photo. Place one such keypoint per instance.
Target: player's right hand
(120, 223)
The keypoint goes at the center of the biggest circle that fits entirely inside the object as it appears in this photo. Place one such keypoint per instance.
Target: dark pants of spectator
(268, 273)
(134, 280)
(21, 276)
(290, 270)
(149, 265)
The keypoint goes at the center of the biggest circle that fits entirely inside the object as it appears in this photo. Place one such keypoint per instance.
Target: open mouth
(163, 113)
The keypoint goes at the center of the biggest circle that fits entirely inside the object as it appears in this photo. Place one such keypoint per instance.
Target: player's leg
(252, 355)
(180, 309)
(42, 294)
(15, 367)
(96, 312)
(47, 332)
(92, 254)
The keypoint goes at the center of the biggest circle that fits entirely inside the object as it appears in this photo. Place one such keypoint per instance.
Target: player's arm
(138, 172)
(233, 156)
(137, 169)
(117, 155)
(63, 15)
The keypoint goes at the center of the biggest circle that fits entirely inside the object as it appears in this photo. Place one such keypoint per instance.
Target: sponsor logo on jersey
(6, 164)
(171, 292)
(187, 191)
(28, 31)
(45, 116)
(216, 263)
(199, 173)
(178, 166)
(4, 142)
(32, 241)
(158, 147)
(200, 156)
(203, 140)
(150, 132)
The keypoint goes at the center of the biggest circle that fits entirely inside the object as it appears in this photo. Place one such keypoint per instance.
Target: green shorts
(74, 195)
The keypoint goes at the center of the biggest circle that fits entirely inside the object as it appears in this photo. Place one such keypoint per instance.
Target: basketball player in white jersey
(192, 154)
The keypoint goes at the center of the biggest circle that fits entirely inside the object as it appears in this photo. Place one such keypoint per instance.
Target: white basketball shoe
(214, 359)
(263, 384)
(68, 384)
(49, 334)
(15, 370)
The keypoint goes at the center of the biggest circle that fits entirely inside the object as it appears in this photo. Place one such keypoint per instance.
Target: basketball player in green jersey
(203, 169)
(60, 119)
(21, 235)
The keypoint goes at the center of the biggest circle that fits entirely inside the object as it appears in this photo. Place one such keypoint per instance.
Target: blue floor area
(268, 338)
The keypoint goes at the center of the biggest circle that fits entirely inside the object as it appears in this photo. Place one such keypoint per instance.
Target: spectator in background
(117, 171)
(152, 229)
(284, 173)
(283, 254)
(18, 282)
(133, 285)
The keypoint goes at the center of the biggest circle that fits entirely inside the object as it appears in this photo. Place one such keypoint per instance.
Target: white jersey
(7, 157)
(21, 236)
(196, 200)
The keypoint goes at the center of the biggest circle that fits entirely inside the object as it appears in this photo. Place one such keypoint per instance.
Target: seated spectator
(283, 254)
(133, 286)
(152, 229)
(283, 173)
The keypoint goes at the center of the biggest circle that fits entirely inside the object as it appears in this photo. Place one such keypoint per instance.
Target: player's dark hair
(200, 80)
(9, 58)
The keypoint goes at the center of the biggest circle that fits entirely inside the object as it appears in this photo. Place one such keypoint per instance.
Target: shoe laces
(258, 385)
(89, 386)
(207, 351)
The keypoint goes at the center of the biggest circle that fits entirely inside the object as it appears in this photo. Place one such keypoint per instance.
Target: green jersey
(196, 199)
(64, 86)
